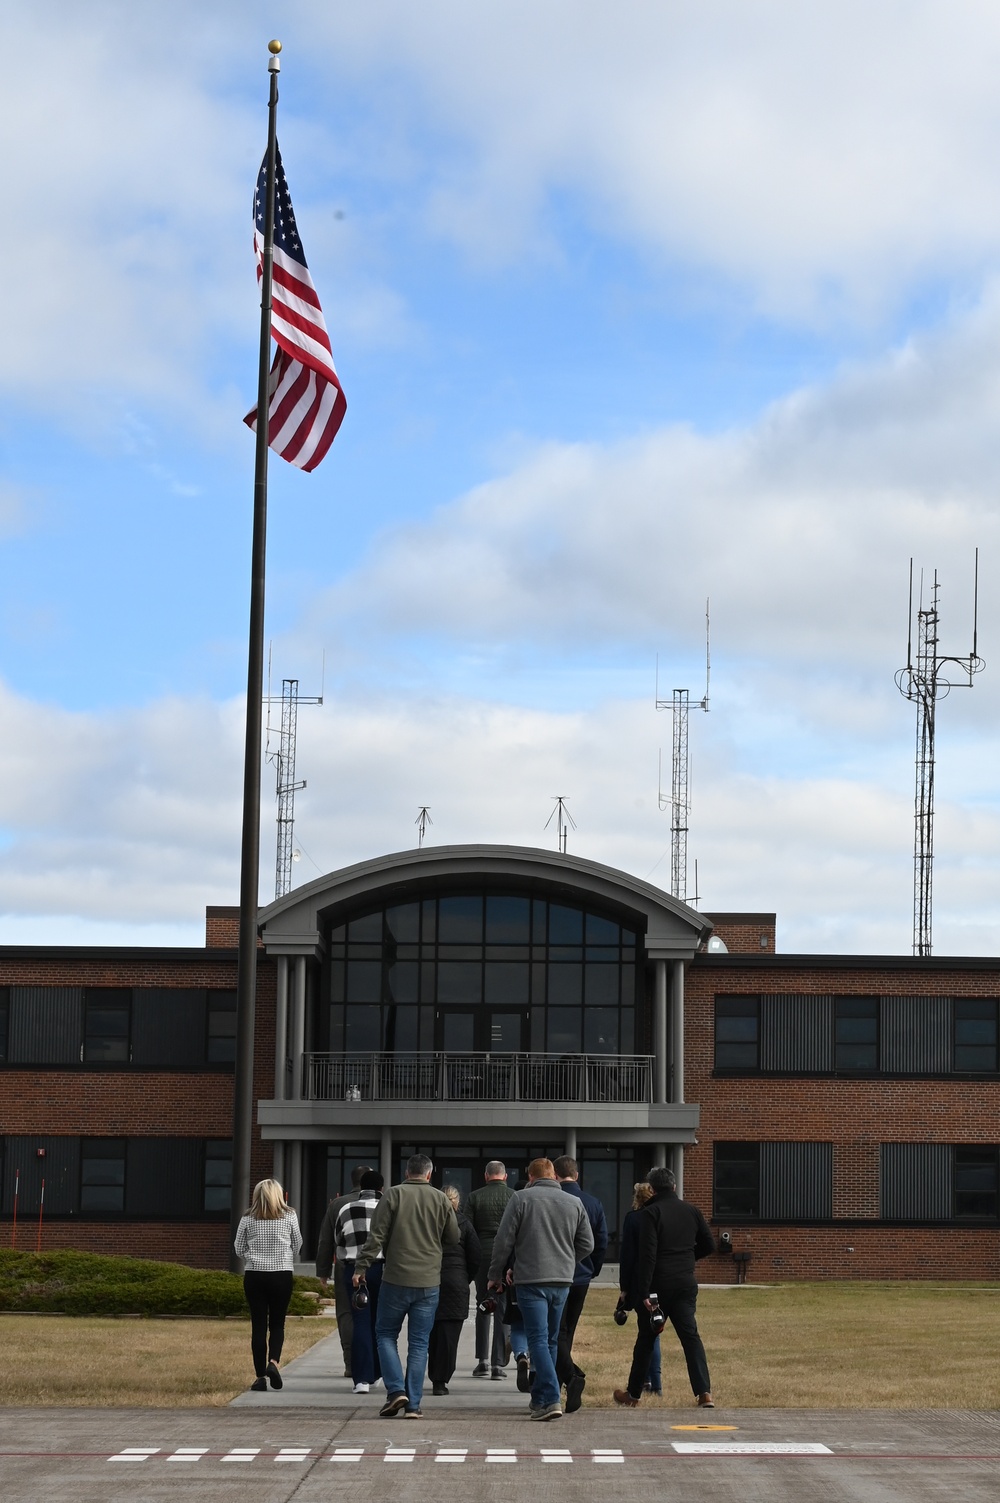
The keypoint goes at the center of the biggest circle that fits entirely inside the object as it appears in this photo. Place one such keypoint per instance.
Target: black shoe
(273, 1375)
(481, 1370)
(497, 1374)
(393, 1404)
(523, 1375)
(574, 1392)
(440, 1390)
(259, 1385)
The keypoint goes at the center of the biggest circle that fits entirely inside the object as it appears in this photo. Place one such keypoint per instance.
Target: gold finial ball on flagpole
(274, 47)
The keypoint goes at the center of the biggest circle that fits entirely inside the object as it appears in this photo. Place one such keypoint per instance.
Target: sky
(634, 307)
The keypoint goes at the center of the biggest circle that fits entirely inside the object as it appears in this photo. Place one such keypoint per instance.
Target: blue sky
(629, 311)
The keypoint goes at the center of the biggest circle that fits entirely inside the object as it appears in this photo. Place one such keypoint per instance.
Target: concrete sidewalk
(316, 1381)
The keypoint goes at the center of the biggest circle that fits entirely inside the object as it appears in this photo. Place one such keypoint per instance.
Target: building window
(975, 1036)
(976, 1182)
(737, 1033)
(106, 1028)
(218, 1184)
(102, 1174)
(221, 1045)
(856, 1033)
(4, 1021)
(737, 1180)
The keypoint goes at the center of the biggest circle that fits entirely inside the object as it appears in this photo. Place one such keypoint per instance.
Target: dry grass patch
(818, 1346)
(95, 1361)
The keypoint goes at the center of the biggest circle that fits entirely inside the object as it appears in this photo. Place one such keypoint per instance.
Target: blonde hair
(641, 1192)
(268, 1201)
(541, 1169)
(453, 1194)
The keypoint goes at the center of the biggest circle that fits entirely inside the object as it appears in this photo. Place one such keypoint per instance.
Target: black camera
(657, 1319)
(360, 1297)
(487, 1305)
(621, 1312)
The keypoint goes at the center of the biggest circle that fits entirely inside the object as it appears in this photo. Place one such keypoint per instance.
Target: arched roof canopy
(296, 924)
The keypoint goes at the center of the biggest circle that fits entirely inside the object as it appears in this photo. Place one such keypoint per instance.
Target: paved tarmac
(318, 1439)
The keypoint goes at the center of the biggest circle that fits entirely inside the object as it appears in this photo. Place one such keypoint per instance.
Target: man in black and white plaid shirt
(351, 1228)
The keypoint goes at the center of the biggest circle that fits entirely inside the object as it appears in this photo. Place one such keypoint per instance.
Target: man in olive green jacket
(485, 1208)
(410, 1227)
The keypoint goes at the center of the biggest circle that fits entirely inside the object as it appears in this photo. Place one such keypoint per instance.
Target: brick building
(836, 1116)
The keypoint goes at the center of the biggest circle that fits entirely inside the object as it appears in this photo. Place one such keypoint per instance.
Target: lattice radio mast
(925, 680)
(284, 762)
(679, 801)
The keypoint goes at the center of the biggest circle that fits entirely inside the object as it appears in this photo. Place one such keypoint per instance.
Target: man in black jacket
(672, 1236)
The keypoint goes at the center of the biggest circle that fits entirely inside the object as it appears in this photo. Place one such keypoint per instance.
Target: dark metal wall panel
(796, 1033)
(168, 1028)
(916, 1035)
(46, 1025)
(163, 1176)
(796, 1181)
(916, 1182)
(60, 1168)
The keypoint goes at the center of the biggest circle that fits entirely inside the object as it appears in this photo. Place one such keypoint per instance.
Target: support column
(281, 1034)
(298, 1029)
(570, 1149)
(678, 1168)
(385, 1157)
(278, 1165)
(660, 1159)
(660, 1032)
(677, 1033)
(293, 1171)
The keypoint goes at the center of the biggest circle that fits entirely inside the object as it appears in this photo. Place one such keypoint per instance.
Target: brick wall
(750, 933)
(857, 1116)
(200, 1244)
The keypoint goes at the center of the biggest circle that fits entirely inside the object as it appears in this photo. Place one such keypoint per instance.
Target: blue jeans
(541, 1308)
(396, 1303)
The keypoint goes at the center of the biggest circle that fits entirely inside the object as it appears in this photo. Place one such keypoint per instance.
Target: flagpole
(246, 981)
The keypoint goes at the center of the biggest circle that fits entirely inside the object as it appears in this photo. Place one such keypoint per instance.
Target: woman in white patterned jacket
(267, 1240)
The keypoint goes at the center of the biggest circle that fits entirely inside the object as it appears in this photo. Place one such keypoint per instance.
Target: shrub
(79, 1283)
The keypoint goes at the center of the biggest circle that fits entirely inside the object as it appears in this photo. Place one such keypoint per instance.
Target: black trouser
(345, 1313)
(442, 1350)
(678, 1305)
(566, 1368)
(495, 1352)
(268, 1295)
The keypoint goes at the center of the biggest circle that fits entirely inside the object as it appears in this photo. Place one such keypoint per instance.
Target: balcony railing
(616, 1078)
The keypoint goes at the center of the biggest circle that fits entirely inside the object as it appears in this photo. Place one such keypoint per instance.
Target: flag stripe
(306, 403)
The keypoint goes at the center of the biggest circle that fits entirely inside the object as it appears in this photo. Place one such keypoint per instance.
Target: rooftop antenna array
(284, 762)
(679, 801)
(928, 677)
(422, 820)
(564, 821)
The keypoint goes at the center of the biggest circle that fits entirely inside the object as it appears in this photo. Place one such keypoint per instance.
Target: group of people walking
(410, 1253)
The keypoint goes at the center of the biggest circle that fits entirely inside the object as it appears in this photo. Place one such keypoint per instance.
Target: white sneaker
(361, 1388)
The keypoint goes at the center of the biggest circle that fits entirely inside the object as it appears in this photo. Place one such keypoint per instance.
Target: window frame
(719, 1212)
(106, 1157)
(988, 1153)
(844, 1001)
(96, 1000)
(751, 1008)
(978, 1069)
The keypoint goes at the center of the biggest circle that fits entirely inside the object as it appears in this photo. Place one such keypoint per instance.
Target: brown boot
(624, 1398)
(705, 1401)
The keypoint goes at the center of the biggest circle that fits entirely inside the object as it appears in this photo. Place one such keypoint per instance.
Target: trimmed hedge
(79, 1283)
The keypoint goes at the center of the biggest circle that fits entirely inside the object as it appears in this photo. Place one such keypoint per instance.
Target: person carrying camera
(350, 1232)
(672, 1236)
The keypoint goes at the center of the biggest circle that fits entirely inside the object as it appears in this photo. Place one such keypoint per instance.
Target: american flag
(306, 404)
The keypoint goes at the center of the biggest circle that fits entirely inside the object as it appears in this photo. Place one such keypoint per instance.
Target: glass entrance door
(506, 1032)
(456, 1029)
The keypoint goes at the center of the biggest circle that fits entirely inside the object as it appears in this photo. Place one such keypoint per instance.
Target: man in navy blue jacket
(574, 1378)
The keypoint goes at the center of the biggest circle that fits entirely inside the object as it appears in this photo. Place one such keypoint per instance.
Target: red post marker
(41, 1212)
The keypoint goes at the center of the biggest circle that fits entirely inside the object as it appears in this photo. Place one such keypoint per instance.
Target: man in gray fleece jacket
(546, 1234)
(410, 1227)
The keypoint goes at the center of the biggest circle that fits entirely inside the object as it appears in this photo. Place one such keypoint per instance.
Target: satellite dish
(296, 855)
(717, 946)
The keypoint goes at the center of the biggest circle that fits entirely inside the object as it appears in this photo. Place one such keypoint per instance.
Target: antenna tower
(926, 679)
(679, 801)
(422, 820)
(284, 762)
(564, 821)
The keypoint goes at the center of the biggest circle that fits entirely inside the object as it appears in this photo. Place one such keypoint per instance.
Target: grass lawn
(93, 1360)
(817, 1346)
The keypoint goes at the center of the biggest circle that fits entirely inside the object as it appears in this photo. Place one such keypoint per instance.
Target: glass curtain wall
(483, 971)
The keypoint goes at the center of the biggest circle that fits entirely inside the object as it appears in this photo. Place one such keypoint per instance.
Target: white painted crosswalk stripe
(135, 1453)
(606, 1455)
(189, 1453)
(399, 1453)
(500, 1455)
(451, 1455)
(750, 1448)
(292, 1453)
(556, 1455)
(348, 1453)
(242, 1453)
